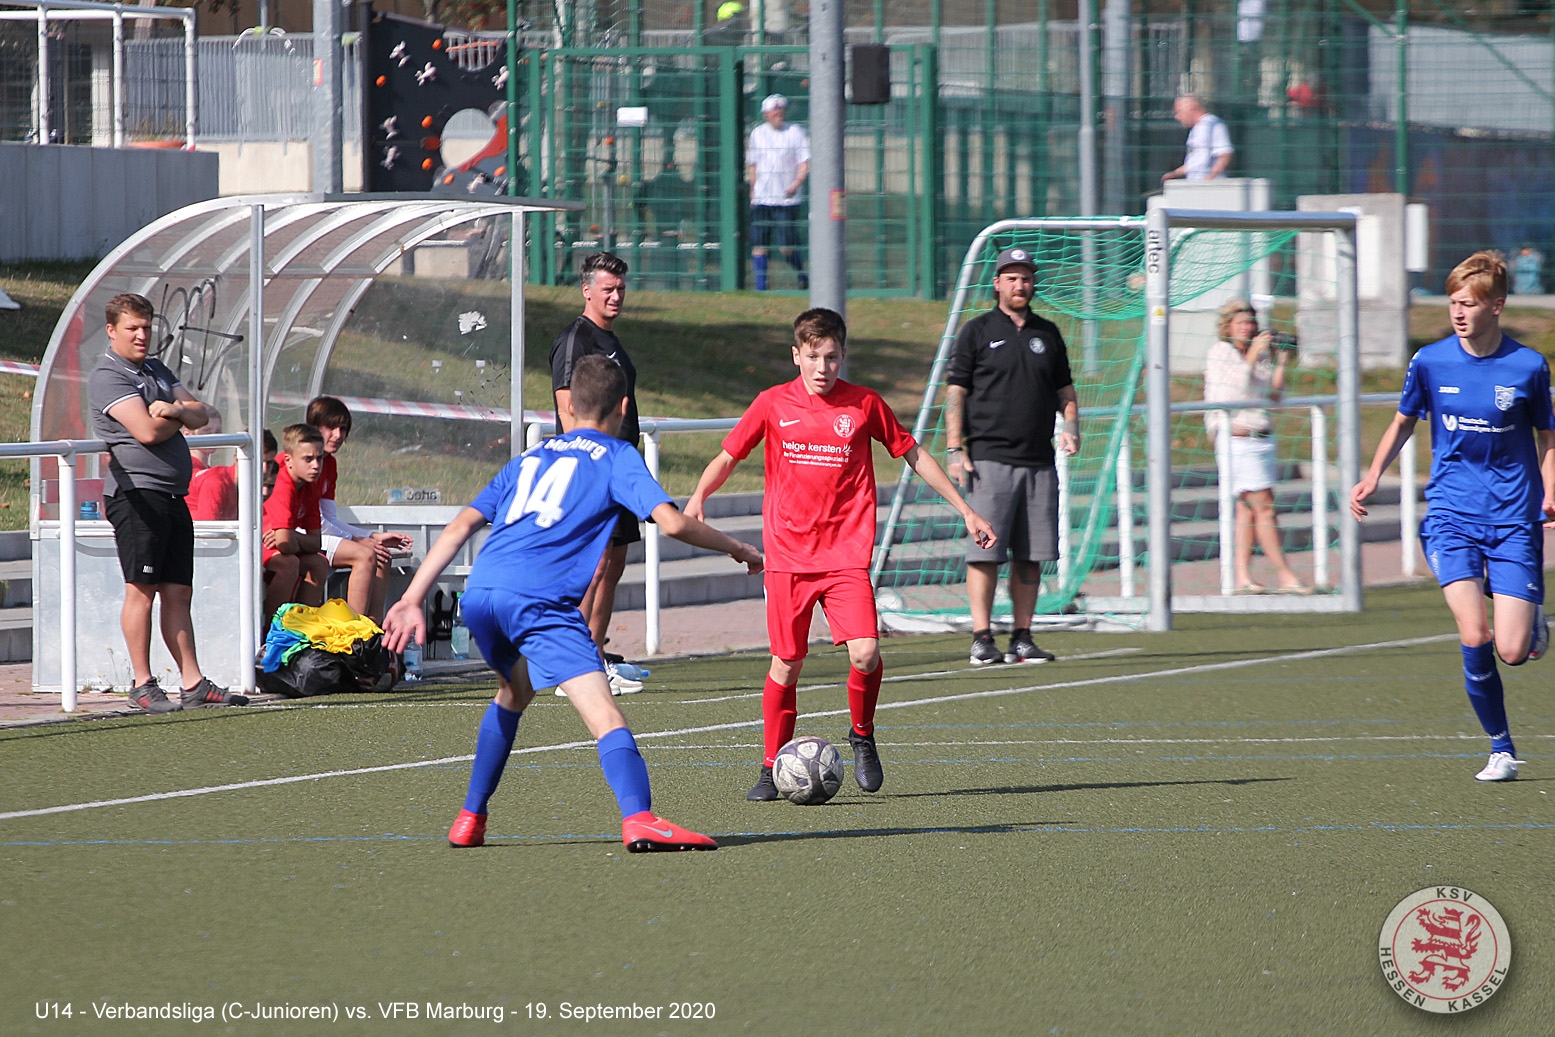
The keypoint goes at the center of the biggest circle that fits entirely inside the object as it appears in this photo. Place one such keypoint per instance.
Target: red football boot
(646, 832)
(468, 830)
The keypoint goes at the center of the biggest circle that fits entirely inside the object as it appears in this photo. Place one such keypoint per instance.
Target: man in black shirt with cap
(603, 280)
(1009, 377)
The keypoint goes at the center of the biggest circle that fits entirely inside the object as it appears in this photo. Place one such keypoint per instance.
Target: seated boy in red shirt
(818, 528)
(213, 490)
(294, 569)
(366, 553)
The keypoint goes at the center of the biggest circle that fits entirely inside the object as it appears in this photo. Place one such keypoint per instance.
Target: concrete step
(15, 635)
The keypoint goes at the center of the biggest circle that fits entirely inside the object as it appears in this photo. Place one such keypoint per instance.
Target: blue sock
(492, 745)
(759, 264)
(1483, 683)
(625, 771)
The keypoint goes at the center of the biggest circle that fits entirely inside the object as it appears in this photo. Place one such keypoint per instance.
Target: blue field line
(799, 833)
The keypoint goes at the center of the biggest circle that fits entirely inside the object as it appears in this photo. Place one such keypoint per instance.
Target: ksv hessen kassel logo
(843, 426)
(1445, 949)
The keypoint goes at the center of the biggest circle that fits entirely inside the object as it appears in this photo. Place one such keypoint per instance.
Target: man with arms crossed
(1009, 376)
(140, 409)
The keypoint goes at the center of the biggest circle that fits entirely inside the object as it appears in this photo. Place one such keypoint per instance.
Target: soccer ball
(808, 771)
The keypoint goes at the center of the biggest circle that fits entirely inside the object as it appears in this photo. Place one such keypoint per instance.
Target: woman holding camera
(1247, 366)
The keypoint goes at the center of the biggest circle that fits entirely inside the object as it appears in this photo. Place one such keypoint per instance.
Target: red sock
(863, 693)
(779, 710)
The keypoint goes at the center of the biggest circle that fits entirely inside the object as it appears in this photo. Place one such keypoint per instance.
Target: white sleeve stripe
(121, 399)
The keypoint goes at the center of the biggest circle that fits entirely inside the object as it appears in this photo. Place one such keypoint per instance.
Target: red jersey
(213, 493)
(819, 513)
(291, 506)
(324, 487)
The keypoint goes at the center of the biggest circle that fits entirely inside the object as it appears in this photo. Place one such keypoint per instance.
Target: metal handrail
(67, 450)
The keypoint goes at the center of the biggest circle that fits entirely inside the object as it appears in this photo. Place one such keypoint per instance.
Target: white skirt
(1252, 464)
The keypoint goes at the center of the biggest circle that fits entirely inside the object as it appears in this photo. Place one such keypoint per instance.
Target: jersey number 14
(542, 498)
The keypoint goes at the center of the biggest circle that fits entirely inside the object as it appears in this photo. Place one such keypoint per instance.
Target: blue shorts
(552, 637)
(1510, 559)
(774, 225)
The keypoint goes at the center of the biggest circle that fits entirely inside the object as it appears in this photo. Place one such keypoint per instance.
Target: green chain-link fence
(1321, 96)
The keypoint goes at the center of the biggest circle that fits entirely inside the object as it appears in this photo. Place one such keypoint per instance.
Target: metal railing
(1316, 407)
(67, 450)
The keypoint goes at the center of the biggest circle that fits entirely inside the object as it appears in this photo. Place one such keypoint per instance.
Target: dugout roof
(321, 253)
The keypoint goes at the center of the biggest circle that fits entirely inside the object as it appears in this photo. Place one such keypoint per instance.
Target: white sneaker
(620, 685)
(1501, 767)
(1541, 634)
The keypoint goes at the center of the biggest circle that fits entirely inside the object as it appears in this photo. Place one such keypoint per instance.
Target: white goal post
(1155, 235)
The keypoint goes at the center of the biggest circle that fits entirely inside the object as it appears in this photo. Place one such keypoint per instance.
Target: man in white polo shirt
(1209, 142)
(778, 161)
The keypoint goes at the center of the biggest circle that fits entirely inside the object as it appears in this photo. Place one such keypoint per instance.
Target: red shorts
(845, 596)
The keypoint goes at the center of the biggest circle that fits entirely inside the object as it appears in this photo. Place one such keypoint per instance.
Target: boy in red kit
(213, 490)
(818, 528)
(294, 569)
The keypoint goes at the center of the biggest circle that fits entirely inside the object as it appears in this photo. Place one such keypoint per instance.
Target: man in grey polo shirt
(1009, 377)
(140, 410)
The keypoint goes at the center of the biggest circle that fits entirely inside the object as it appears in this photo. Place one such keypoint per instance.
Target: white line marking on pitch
(1128, 678)
(897, 677)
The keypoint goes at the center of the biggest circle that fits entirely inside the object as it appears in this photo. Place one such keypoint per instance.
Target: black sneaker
(208, 693)
(149, 696)
(1024, 650)
(611, 657)
(866, 761)
(764, 791)
(984, 651)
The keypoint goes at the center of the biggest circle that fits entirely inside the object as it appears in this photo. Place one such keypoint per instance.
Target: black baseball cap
(1014, 257)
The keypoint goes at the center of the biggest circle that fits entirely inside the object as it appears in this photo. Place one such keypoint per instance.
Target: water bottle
(412, 658)
(459, 634)
(90, 511)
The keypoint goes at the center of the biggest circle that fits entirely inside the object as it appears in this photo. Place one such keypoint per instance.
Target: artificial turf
(1151, 840)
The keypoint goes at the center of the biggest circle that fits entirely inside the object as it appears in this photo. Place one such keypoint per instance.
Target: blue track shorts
(552, 637)
(1510, 559)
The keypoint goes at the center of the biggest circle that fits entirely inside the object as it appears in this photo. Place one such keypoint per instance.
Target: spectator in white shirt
(1209, 142)
(777, 163)
(1240, 368)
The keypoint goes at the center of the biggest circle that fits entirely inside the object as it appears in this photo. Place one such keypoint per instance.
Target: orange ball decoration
(426, 163)
(426, 123)
(382, 80)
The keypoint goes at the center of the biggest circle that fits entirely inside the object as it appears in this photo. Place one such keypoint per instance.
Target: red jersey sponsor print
(819, 513)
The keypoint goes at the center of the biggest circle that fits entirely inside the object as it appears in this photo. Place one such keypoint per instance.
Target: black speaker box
(871, 73)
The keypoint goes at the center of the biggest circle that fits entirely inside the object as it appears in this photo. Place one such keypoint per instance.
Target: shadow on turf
(1005, 790)
(757, 838)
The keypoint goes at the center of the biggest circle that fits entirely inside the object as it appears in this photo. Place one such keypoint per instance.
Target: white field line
(1176, 671)
(897, 677)
(715, 746)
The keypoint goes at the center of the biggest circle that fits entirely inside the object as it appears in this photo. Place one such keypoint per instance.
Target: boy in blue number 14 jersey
(553, 510)
(1492, 480)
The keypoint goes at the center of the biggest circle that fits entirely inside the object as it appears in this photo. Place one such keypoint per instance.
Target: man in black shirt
(603, 280)
(1009, 378)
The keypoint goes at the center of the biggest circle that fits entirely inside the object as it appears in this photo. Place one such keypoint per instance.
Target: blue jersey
(552, 512)
(1484, 410)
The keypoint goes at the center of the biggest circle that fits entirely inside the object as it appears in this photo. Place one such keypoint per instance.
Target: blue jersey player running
(1492, 480)
(553, 511)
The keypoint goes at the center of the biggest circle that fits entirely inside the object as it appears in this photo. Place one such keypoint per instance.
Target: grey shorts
(1022, 506)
